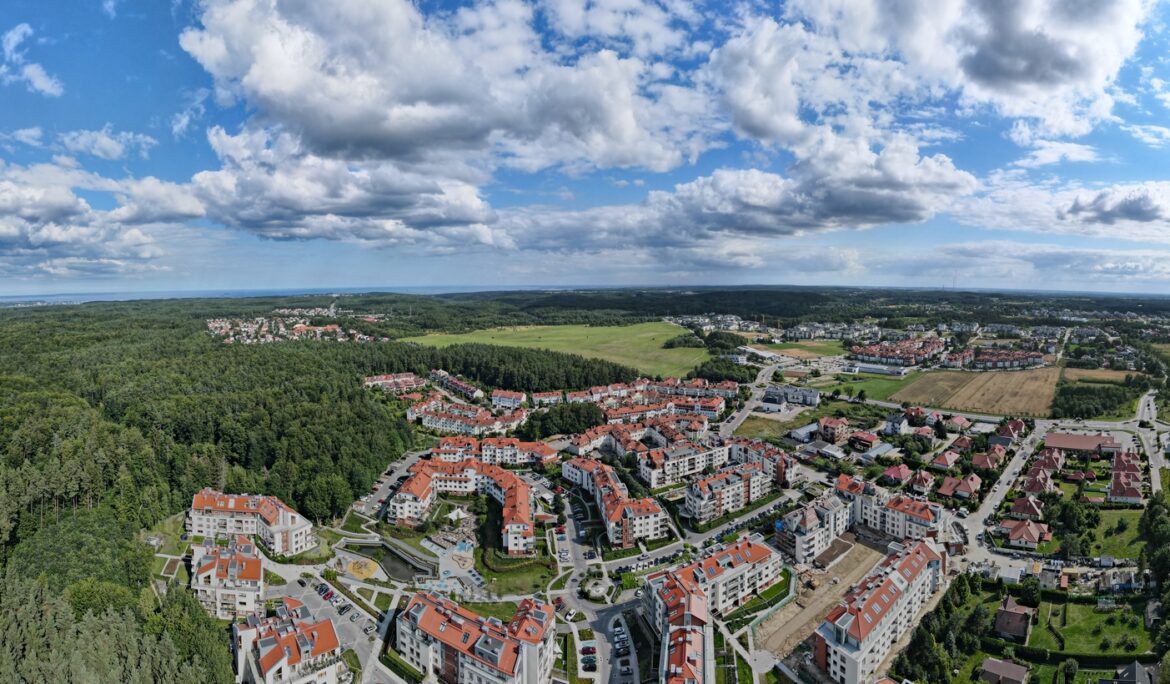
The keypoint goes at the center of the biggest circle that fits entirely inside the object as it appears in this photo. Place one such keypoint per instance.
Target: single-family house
(1013, 620)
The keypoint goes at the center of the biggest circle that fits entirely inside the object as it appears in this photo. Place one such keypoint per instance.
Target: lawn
(859, 415)
(638, 346)
(1125, 544)
(1043, 674)
(513, 576)
(170, 530)
(382, 601)
(808, 349)
(1085, 629)
(353, 663)
(879, 387)
(504, 610)
(353, 523)
(743, 670)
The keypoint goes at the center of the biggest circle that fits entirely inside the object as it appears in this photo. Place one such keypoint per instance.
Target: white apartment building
(466, 478)
(809, 531)
(857, 635)
(626, 520)
(493, 451)
(727, 491)
(728, 577)
(278, 527)
(228, 580)
(438, 636)
(661, 467)
(507, 399)
(291, 647)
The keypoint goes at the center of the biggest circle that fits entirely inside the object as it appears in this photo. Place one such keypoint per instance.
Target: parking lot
(348, 631)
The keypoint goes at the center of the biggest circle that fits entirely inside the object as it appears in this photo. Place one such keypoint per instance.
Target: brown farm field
(1026, 393)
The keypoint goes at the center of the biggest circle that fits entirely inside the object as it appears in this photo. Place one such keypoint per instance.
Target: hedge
(400, 667)
(1090, 661)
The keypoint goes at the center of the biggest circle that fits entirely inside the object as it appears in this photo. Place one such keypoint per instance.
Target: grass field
(859, 415)
(1110, 542)
(1095, 375)
(1027, 392)
(503, 610)
(807, 349)
(1085, 629)
(639, 346)
(880, 387)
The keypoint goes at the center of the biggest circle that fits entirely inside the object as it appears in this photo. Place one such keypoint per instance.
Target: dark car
(589, 667)
(301, 582)
(588, 650)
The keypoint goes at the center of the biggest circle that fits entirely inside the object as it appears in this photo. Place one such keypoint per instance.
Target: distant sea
(83, 297)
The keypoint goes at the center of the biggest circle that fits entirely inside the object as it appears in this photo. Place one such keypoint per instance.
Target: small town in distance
(805, 521)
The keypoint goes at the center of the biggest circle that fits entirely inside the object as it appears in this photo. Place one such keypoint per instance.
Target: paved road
(732, 424)
(349, 632)
(371, 506)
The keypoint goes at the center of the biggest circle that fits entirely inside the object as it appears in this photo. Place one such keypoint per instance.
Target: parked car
(589, 667)
(369, 629)
(301, 582)
(624, 651)
(355, 617)
(589, 650)
(627, 671)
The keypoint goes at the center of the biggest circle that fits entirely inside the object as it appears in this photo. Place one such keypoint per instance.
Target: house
(1027, 508)
(961, 444)
(832, 430)
(921, 482)
(898, 474)
(788, 394)
(1039, 482)
(1081, 444)
(956, 423)
(1134, 673)
(1025, 534)
(863, 441)
(1050, 459)
(1118, 580)
(966, 487)
(228, 580)
(991, 459)
(896, 424)
(946, 460)
(881, 449)
(996, 671)
(1013, 621)
(542, 399)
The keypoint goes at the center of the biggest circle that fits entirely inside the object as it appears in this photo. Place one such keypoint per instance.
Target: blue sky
(238, 144)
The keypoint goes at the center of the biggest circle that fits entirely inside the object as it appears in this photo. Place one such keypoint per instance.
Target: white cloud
(16, 68)
(1149, 134)
(1046, 152)
(107, 143)
(110, 8)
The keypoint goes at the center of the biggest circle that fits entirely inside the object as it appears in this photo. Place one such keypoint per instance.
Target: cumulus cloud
(1149, 134)
(107, 143)
(1046, 152)
(17, 69)
(48, 228)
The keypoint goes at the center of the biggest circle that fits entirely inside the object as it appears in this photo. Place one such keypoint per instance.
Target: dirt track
(793, 623)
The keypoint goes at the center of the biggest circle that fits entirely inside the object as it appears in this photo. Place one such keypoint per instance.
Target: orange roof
(487, 640)
(268, 507)
(862, 609)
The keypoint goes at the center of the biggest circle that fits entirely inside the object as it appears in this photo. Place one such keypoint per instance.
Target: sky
(254, 144)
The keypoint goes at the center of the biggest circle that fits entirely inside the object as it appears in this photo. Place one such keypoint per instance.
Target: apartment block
(673, 464)
(729, 490)
(228, 580)
(440, 638)
(417, 494)
(292, 647)
(626, 520)
(857, 635)
(278, 527)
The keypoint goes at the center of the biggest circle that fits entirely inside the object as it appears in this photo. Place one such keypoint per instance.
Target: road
(732, 424)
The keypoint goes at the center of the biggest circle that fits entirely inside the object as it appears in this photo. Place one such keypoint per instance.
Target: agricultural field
(638, 346)
(807, 349)
(1027, 393)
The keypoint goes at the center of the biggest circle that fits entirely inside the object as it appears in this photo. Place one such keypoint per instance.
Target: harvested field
(795, 622)
(1026, 393)
(1095, 375)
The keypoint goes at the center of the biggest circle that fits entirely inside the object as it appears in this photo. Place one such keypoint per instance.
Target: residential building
(281, 529)
(291, 647)
(833, 430)
(417, 494)
(946, 460)
(729, 490)
(1013, 621)
(809, 531)
(966, 487)
(455, 385)
(396, 382)
(1027, 508)
(897, 424)
(857, 635)
(728, 577)
(441, 638)
(678, 610)
(1025, 534)
(922, 482)
(996, 671)
(787, 394)
(507, 399)
(897, 474)
(544, 399)
(696, 387)
(1133, 673)
(494, 451)
(666, 466)
(228, 580)
(1082, 444)
(626, 520)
